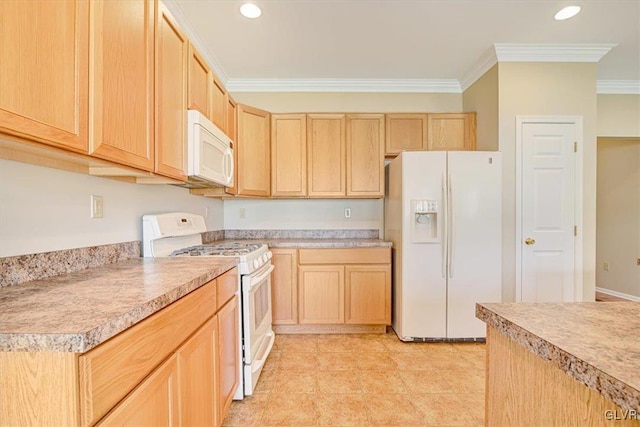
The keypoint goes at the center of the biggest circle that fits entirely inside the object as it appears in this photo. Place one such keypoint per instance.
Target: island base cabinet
(153, 403)
(525, 390)
(228, 356)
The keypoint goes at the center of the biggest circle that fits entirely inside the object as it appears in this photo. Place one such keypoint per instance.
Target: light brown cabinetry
(219, 103)
(44, 69)
(232, 133)
(229, 347)
(122, 82)
(253, 152)
(452, 131)
(172, 54)
(288, 155)
(321, 294)
(284, 286)
(405, 132)
(155, 402)
(200, 83)
(344, 286)
(365, 155)
(326, 155)
(176, 367)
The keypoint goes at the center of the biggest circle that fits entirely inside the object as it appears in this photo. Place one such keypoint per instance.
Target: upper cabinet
(253, 152)
(326, 155)
(122, 82)
(200, 83)
(172, 51)
(44, 69)
(452, 131)
(219, 104)
(365, 155)
(288, 155)
(405, 132)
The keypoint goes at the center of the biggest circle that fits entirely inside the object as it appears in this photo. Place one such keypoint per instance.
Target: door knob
(529, 241)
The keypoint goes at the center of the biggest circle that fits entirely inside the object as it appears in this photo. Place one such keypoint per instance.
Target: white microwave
(209, 153)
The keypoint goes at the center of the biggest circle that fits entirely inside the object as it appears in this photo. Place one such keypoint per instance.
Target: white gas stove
(179, 235)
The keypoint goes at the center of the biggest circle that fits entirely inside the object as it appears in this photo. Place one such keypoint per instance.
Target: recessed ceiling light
(567, 12)
(250, 10)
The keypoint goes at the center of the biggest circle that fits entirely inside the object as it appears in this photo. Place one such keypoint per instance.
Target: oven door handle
(255, 367)
(253, 281)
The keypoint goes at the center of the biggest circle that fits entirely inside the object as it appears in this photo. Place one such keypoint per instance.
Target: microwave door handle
(228, 166)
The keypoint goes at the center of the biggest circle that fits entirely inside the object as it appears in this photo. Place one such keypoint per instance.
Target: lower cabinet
(153, 403)
(228, 355)
(332, 286)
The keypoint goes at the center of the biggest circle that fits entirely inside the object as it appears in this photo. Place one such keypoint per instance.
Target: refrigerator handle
(443, 241)
(452, 227)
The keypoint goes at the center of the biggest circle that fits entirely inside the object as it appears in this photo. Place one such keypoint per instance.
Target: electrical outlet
(605, 266)
(206, 211)
(347, 212)
(97, 206)
(241, 213)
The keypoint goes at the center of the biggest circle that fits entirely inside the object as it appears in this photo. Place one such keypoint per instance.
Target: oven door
(256, 312)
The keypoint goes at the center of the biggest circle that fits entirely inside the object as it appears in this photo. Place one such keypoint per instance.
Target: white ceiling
(398, 39)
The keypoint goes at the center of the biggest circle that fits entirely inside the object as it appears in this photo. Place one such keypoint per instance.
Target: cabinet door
(253, 151)
(284, 286)
(365, 155)
(232, 132)
(321, 294)
(326, 156)
(219, 103)
(405, 132)
(44, 69)
(172, 49)
(368, 294)
(200, 83)
(228, 355)
(288, 155)
(452, 131)
(121, 51)
(198, 376)
(153, 403)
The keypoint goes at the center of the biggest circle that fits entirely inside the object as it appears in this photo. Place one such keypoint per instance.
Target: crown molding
(178, 15)
(481, 66)
(517, 52)
(618, 87)
(345, 85)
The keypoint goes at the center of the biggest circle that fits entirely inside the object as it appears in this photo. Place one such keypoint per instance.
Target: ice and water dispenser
(424, 221)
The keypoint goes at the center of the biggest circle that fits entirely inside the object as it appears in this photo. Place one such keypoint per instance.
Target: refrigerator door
(421, 287)
(475, 236)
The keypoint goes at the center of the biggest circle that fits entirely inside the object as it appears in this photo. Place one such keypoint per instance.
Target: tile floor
(365, 380)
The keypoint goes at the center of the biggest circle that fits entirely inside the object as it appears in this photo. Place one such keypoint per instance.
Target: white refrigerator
(443, 213)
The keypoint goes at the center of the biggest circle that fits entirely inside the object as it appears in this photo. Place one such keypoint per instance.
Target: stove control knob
(269, 255)
(265, 258)
(256, 263)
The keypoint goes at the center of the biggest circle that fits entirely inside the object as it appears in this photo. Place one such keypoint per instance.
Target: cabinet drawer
(227, 287)
(111, 370)
(345, 256)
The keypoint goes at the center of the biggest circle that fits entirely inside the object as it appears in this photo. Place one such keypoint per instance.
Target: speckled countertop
(597, 343)
(77, 311)
(317, 243)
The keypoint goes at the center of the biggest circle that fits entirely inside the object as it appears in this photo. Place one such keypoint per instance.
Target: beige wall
(547, 89)
(325, 102)
(43, 209)
(619, 115)
(482, 97)
(618, 215)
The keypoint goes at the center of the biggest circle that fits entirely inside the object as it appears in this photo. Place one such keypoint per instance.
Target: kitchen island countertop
(75, 312)
(596, 343)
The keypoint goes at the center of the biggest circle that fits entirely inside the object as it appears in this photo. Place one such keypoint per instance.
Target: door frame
(578, 198)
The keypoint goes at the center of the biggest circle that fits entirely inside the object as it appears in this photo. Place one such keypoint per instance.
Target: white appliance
(209, 153)
(179, 234)
(443, 213)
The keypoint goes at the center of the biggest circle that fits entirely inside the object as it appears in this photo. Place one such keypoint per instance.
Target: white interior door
(547, 242)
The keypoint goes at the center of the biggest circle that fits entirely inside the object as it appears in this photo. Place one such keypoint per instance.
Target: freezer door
(475, 238)
(420, 286)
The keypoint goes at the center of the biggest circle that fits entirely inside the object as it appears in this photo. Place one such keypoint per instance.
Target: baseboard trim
(617, 294)
(329, 329)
